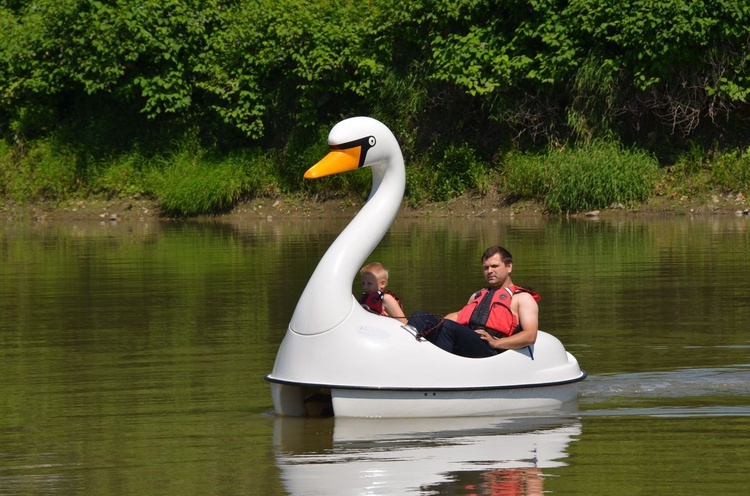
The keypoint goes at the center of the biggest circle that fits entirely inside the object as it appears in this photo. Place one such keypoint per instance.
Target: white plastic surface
(333, 343)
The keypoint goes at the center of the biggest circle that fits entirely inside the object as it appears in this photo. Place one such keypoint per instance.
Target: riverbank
(135, 210)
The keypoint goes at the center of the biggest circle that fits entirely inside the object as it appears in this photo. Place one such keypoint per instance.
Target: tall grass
(581, 178)
(193, 180)
(47, 171)
(6, 168)
(731, 171)
(698, 173)
(447, 174)
(191, 183)
(121, 176)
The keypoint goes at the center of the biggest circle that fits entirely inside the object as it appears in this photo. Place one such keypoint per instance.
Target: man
(500, 317)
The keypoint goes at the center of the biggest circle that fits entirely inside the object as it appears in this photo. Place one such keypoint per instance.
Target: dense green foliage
(105, 96)
(590, 177)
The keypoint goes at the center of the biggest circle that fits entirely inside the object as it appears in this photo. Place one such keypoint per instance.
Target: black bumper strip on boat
(449, 389)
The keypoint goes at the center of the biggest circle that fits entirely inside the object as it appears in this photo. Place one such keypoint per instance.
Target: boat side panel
(393, 404)
(378, 353)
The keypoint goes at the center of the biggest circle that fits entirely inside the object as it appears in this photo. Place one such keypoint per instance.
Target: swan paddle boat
(339, 359)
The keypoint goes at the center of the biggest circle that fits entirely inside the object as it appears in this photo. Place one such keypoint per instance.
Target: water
(132, 359)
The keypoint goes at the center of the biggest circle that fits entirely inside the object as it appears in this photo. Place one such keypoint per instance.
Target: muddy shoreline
(129, 210)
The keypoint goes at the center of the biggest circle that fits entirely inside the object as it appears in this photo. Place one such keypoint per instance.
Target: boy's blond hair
(377, 269)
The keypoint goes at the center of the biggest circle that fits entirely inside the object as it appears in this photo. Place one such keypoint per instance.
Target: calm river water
(133, 355)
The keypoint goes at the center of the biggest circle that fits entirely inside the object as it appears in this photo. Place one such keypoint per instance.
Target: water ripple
(694, 392)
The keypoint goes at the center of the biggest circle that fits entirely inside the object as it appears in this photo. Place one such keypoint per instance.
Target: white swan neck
(327, 299)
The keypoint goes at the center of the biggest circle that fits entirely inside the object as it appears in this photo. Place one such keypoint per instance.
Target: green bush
(522, 177)
(457, 170)
(259, 169)
(123, 176)
(190, 184)
(690, 174)
(578, 179)
(91, 85)
(731, 171)
(48, 171)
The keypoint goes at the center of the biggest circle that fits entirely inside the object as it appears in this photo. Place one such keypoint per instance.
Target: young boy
(375, 297)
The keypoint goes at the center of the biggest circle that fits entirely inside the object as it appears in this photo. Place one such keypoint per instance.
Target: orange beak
(336, 161)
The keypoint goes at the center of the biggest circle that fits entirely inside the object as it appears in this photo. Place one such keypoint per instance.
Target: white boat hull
(379, 369)
(456, 403)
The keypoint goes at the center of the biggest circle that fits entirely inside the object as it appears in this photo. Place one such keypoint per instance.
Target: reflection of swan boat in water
(366, 365)
(435, 456)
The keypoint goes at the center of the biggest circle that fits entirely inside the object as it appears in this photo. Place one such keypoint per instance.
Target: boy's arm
(393, 309)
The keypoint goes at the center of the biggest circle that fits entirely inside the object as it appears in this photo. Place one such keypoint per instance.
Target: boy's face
(370, 283)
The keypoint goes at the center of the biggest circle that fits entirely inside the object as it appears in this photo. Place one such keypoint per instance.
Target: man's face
(495, 272)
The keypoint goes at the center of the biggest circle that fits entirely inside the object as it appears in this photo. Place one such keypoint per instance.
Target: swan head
(355, 143)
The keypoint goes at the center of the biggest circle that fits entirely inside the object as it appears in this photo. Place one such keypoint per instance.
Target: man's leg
(431, 328)
(451, 336)
(464, 341)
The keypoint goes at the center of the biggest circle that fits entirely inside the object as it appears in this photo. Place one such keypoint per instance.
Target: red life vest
(494, 315)
(373, 302)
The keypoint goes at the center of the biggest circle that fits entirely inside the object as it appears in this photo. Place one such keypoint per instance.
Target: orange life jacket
(495, 314)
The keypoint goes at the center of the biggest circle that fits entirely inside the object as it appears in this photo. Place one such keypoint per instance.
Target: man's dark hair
(505, 255)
